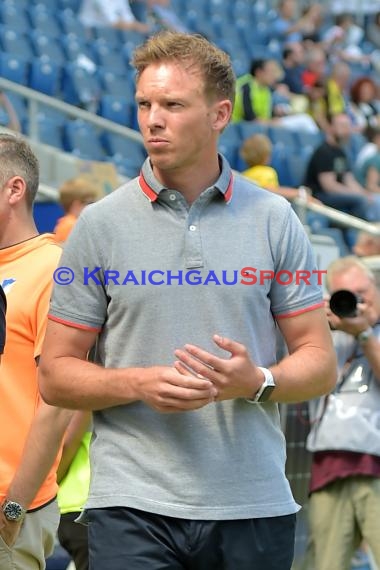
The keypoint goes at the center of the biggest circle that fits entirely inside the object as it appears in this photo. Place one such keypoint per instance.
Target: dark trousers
(74, 538)
(129, 539)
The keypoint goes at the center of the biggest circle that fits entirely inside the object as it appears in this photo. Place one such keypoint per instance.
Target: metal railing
(35, 100)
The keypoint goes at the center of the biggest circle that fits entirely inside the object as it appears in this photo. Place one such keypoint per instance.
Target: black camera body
(343, 303)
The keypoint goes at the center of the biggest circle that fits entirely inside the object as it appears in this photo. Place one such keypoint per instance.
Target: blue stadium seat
(70, 24)
(44, 20)
(79, 86)
(110, 36)
(108, 58)
(45, 76)
(297, 161)
(14, 17)
(48, 48)
(49, 132)
(249, 128)
(15, 43)
(282, 136)
(118, 109)
(14, 68)
(123, 148)
(82, 139)
(117, 85)
(75, 47)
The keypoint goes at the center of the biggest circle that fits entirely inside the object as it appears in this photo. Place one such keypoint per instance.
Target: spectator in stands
(367, 244)
(74, 195)
(31, 431)
(256, 93)
(370, 148)
(329, 96)
(373, 30)
(293, 62)
(256, 151)
(13, 122)
(3, 308)
(114, 13)
(165, 16)
(368, 172)
(185, 486)
(344, 506)
(329, 173)
(342, 41)
(254, 99)
(364, 105)
(315, 68)
(289, 26)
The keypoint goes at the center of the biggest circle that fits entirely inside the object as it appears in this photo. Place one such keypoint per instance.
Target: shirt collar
(151, 187)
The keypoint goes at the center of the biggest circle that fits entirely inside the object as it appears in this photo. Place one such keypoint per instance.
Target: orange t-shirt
(64, 227)
(26, 271)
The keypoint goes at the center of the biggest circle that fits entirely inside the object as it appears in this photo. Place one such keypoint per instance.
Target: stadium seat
(249, 128)
(118, 109)
(14, 68)
(123, 148)
(44, 76)
(15, 43)
(108, 58)
(80, 87)
(117, 85)
(44, 21)
(49, 132)
(47, 47)
(82, 139)
(14, 17)
(282, 136)
(70, 24)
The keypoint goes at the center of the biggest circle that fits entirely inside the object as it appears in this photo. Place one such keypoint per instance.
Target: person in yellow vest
(74, 479)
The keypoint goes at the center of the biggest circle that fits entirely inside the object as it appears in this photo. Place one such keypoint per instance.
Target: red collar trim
(152, 195)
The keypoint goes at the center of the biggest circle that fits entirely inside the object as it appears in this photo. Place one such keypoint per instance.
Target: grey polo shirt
(171, 274)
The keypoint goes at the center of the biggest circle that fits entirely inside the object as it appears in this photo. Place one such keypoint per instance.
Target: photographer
(344, 506)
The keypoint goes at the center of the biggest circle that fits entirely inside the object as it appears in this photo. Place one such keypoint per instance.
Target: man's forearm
(82, 385)
(40, 451)
(298, 382)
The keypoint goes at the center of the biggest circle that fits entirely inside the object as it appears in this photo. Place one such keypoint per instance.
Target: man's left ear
(222, 114)
(16, 187)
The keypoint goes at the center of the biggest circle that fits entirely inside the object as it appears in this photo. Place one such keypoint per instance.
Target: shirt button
(192, 228)
(172, 197)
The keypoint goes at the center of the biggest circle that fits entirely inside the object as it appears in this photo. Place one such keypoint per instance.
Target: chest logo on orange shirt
(7, 284)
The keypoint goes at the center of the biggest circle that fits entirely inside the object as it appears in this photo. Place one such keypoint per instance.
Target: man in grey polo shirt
(183, 274)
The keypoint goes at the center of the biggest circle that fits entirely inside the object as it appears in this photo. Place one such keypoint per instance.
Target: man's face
(269, 74)
(177, 121)
(357, 281)
(341, 128)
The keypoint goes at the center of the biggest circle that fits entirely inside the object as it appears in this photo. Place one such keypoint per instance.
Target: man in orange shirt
(31, 431)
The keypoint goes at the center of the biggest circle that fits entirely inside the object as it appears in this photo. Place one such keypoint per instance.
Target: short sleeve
(297, 286)
(79, 297)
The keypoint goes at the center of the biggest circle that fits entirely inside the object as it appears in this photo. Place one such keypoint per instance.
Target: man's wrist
(13, 511)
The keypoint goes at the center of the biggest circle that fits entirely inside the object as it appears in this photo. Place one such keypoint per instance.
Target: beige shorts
(35, 541)
(340, 516)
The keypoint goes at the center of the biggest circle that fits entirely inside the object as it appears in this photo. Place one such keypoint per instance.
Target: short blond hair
(256, 150)
(76, 189)
(193, 51)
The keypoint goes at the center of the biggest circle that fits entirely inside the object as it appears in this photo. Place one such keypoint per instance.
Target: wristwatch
(266, 388)
(363, 336)
(13, 511)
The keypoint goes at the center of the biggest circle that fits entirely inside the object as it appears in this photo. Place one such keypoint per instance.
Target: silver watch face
(13, 511)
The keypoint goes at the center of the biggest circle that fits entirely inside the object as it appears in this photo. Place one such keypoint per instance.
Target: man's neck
(16, 232)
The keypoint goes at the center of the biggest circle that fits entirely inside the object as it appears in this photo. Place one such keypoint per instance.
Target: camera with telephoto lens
(343, 303)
